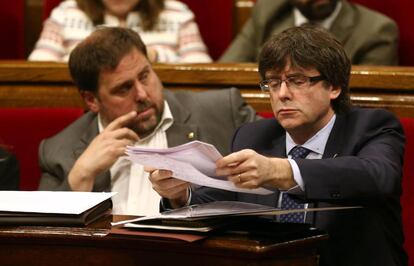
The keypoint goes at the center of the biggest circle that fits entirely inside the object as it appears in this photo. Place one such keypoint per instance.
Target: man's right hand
(175, 190)
(102, 153)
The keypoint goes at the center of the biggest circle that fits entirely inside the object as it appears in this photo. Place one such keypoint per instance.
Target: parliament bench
(37, 100)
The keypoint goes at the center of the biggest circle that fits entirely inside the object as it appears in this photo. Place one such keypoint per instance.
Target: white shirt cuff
(297, 176)
(165, 203)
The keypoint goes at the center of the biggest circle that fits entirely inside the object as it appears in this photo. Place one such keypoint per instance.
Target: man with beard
(368, 37)
(128, 106)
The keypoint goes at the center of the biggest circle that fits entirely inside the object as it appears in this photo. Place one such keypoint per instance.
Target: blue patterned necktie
(287, 201)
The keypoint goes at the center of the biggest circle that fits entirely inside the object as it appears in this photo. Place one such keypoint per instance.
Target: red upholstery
(398, 11)
(12, 30)
(22, 129)
(214, 18)
(407, 199)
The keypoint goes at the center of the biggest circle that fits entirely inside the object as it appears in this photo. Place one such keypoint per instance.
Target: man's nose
(140, 91)
(284, 92)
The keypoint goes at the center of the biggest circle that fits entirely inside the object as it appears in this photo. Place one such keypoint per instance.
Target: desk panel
(96, 245)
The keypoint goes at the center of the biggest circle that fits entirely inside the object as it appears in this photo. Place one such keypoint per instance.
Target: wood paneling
(33, 84)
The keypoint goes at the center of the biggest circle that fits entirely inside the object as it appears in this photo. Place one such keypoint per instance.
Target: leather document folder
(209, 216)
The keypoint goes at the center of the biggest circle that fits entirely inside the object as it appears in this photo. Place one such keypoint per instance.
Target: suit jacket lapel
(333, 147)
(336, 138)
(282, 24)
(102, 181)
(343, 25)
(90, 133)
(273, 19)
(182, 130)
(279, 147)
(180, 133)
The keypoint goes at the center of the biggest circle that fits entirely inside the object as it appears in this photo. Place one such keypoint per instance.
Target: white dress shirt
(135, 194)
(326, 23)
(316, 145)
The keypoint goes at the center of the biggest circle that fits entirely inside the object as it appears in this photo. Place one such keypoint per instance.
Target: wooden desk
(97, 246)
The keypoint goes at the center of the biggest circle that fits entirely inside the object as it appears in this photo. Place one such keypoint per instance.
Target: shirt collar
(166, 122)
(132, 19)
(317, 143)
(326, 23)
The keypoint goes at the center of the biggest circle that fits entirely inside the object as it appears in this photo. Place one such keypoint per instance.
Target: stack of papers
(52, 208)
(194, 162)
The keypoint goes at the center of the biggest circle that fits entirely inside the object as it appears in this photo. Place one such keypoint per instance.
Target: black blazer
(361, 165)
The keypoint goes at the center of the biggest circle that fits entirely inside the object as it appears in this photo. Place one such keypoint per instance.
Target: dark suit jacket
(368, 37)
(361, 165)
(9, 171)
(212, 116)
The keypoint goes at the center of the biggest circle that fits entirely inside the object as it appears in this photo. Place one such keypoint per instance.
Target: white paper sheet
(58, 202)
(194, 162)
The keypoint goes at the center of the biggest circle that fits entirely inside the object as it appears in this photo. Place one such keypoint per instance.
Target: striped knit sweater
(176, 37)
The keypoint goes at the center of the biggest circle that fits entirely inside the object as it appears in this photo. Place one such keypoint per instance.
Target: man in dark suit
(368, 37)
(129, 106)
(318, 151)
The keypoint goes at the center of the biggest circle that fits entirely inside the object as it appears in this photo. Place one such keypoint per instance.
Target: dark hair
(102, 50)
(310, 47)
(148, 11)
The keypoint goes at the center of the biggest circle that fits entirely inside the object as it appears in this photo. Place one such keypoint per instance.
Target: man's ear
(335, 92)
(91, 101)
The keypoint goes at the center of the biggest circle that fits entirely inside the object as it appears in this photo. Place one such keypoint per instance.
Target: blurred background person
(9, 170)
(368, 37)
(167, 27)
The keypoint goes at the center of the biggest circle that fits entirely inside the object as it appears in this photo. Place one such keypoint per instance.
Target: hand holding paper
(175, 190)
(193, 162)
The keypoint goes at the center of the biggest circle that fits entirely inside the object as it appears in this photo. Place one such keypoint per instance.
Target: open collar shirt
(326, 23)
(135, 195)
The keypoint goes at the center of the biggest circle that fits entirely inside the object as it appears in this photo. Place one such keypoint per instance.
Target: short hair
(102, 50)
(310, 47)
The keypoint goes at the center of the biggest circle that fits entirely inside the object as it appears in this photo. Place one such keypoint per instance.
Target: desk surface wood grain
(95, 245)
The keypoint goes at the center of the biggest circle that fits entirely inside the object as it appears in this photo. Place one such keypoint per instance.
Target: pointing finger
(121, 121)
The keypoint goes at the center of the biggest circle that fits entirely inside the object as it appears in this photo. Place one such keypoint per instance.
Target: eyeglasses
(297, 82)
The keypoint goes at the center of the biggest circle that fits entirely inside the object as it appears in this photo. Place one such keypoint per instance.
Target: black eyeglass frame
(311, 80)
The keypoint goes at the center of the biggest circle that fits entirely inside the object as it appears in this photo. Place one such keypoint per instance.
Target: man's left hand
(248, 169)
